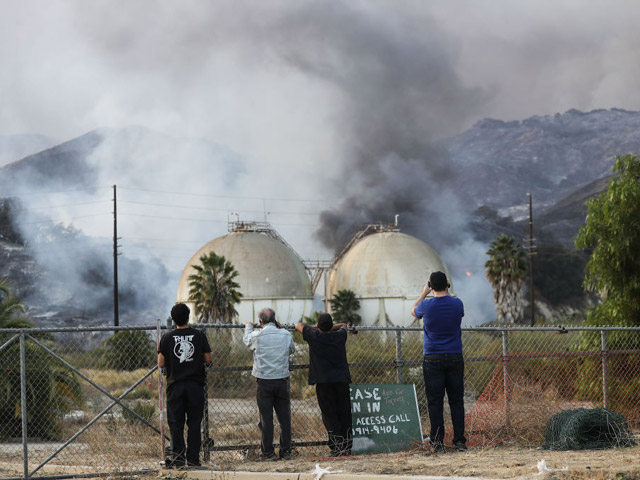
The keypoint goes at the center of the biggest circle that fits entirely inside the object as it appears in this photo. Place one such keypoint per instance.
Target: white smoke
(299, 104)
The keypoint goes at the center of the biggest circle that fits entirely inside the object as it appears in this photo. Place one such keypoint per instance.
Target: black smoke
(400, 93)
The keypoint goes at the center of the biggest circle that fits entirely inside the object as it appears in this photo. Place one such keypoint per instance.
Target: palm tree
(213, 290)
(52, 389)
(344, 306)
(10, 309)
(507, 270)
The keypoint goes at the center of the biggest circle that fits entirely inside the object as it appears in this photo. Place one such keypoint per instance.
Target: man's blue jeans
(444, 372)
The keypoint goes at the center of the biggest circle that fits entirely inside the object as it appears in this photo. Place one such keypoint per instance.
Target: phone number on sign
(375, 429)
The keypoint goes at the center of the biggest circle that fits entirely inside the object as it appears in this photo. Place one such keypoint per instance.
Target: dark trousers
(274, 395)
(444, 372)
(335, 404)
(185, 401)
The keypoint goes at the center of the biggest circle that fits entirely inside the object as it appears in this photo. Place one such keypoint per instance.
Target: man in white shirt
(271, 347)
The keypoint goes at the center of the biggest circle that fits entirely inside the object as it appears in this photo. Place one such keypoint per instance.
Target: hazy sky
(231, 70)
(321, 99)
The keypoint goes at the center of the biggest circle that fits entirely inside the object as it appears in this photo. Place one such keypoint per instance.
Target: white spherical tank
(269, 275)
(387, 272)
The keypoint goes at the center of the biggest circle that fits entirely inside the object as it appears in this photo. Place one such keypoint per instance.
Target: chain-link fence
(86, 400)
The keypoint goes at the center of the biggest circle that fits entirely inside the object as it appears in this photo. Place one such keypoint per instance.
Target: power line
(60, 206)
(51, 220)
(141, 247)
(230, 196)
(214, 209)
(211, 221)
(172, 218)
(30, 194)
(163, 240)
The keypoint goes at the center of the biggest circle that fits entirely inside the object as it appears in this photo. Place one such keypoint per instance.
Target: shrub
(129, 350)
(52, 391)
(145, 409)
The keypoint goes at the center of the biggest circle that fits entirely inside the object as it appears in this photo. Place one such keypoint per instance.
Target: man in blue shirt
(271, 347)
(443, 365)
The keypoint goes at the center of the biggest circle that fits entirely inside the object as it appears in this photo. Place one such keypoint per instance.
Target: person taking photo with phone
(443, 364)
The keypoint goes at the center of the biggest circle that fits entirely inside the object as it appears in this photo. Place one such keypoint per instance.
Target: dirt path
(502, 462)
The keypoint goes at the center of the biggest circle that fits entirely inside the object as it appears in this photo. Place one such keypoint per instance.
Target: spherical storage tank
(270, 274)
(387, 272)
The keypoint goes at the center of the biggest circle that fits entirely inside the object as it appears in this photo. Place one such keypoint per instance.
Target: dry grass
(528, 411)
(116, 382)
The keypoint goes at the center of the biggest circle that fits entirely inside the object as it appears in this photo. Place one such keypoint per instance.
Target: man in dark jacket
(329, 372)
(183, 352)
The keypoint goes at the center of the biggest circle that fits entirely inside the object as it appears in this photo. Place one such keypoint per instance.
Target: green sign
(385, 417)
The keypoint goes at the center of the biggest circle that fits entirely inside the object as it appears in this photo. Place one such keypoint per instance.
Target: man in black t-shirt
(183, 352)
(329, 372)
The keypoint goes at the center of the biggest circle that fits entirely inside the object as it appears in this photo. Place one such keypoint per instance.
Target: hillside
(61, 272)
(550, 156)
(562, 159)
(108, 156)
(13, 147)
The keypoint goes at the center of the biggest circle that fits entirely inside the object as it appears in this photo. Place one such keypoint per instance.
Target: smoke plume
(319, 100)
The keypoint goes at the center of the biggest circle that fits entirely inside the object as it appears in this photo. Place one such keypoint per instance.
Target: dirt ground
(500, 462)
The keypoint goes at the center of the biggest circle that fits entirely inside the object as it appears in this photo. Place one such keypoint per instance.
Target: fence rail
(78, 401)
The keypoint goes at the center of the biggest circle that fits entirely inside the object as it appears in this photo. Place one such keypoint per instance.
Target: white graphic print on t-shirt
(183, 349)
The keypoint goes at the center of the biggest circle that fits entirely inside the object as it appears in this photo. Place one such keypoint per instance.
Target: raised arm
(425, 291)
(247, 338)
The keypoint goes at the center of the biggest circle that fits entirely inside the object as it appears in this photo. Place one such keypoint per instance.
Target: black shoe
(460, 446)
(271, 457)
(285, 455)
(174, 462)
(438, 447)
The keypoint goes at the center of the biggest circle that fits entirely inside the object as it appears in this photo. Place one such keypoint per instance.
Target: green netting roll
(584, 429)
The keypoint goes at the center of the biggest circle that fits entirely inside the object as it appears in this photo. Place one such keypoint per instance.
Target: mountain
(562, 160)
(565, 217)
(62, 166)
(550, 156)
(15, 147)
(64, 277)
(132, 155)
(64, 274)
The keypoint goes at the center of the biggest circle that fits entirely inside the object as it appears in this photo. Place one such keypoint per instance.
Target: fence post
(23, 404)
(604, 352)
(207, 441)
(163, 449)
(506, 378)
(399, 362)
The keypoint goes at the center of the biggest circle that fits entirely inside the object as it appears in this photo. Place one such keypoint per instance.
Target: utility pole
(531, 296)
(116, 314)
